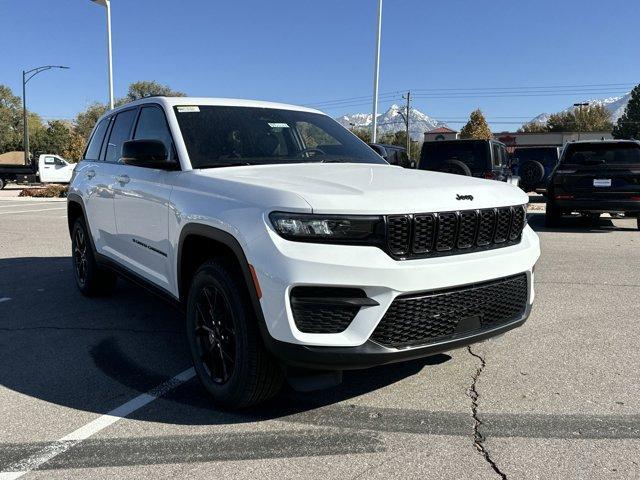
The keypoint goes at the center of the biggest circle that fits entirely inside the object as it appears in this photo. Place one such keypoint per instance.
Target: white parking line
(24, 466)
(23, 204)
(37, 210)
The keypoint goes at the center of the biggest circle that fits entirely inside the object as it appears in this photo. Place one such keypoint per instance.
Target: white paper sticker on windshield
(278, 125)
(188, 109)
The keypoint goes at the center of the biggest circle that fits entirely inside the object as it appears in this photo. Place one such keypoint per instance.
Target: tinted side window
(497, 154)
(119, 134)
(152, 125)
(93, 150)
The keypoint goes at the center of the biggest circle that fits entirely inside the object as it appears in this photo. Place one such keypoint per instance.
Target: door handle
(90, 174)
(123, 179)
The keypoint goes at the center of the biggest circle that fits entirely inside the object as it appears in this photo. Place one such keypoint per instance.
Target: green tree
(144, 88)
(628, 125)
(363, 134)
(85, 121)
(10, 120)
(476, 127)
(534, 127)
(55, 138)
(594, 118)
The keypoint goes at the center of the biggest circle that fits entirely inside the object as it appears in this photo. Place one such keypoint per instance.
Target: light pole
(579, 122)
(376, 75)
(107, 5)
(26, 76)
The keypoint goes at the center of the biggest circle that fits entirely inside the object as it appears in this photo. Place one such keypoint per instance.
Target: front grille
(317, 309)
(424, 318)
(449, 233)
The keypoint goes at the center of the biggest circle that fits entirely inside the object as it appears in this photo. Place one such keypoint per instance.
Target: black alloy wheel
(80, 256)
(215, 334)
(226, 346)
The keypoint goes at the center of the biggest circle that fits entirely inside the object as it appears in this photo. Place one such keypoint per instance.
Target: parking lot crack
(478, 438)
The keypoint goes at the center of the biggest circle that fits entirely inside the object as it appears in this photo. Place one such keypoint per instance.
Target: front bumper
(371, 354)
(281, 265)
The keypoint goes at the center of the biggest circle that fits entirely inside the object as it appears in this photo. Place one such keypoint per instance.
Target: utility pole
(376, 76)
(407, 121)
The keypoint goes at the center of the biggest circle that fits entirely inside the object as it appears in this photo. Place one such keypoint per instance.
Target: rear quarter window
(93, 149)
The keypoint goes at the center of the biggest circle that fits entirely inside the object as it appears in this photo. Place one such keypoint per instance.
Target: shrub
(50, 191)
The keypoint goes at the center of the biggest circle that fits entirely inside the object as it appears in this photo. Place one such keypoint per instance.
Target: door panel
(142, 206)
(141, 210)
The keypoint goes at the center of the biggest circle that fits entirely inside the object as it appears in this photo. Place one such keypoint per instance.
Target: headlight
(328, 228)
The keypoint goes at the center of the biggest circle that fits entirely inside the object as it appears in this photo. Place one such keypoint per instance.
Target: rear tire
(91, 279)
(2, 183)
(456, 167)
(228, 356)
(531, 174)
(553, 215)
(638, 222)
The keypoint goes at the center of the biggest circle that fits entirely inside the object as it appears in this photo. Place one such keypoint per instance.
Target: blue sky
(305, 52)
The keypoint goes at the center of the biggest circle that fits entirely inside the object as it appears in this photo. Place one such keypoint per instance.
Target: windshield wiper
(228, 164)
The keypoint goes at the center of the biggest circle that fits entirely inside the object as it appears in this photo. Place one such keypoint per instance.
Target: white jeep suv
(295, 250)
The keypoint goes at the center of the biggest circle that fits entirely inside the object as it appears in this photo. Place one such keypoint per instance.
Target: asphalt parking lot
(557, 398)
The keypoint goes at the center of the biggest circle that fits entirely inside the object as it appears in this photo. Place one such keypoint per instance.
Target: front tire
(2, 183)
(92, 281)
(227, 351)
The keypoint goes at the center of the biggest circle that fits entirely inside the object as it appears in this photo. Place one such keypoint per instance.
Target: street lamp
(578, 123)
(26, 76)
(376, 76)
(107, 4)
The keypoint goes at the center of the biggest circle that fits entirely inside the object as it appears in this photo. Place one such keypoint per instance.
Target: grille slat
(447, 227)
(424, 228)
(449, 233)
(398, 230)
(435, 316)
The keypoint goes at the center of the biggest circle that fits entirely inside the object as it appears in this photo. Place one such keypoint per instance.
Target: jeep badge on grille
(464, 197)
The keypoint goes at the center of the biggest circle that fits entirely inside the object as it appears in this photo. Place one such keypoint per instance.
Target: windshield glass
(218, 136)
(604, 153)
(474, 155)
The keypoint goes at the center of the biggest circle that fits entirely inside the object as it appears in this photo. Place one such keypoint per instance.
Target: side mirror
(147, 154)
(380, 150)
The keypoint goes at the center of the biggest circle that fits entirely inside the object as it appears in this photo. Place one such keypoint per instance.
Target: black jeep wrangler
(473, 158)
(595, 177)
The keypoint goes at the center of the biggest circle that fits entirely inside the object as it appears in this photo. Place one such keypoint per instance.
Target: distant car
(48, 169)
(595, 177)
(534, 166)
(473, 158)
(393, 154)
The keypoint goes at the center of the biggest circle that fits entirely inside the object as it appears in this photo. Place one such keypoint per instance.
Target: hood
(374, 189)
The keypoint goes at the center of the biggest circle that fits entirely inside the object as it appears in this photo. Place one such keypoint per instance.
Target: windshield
(474, 155)
(604, 153)
(217, 136)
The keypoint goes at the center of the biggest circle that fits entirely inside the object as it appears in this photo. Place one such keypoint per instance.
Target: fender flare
(232, 243)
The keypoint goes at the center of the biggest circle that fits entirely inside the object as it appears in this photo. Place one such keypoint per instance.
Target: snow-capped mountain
(615, 105)
(392, 121)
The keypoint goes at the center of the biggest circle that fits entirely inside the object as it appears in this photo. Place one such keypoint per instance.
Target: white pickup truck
(295, 250)
(48, 169)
